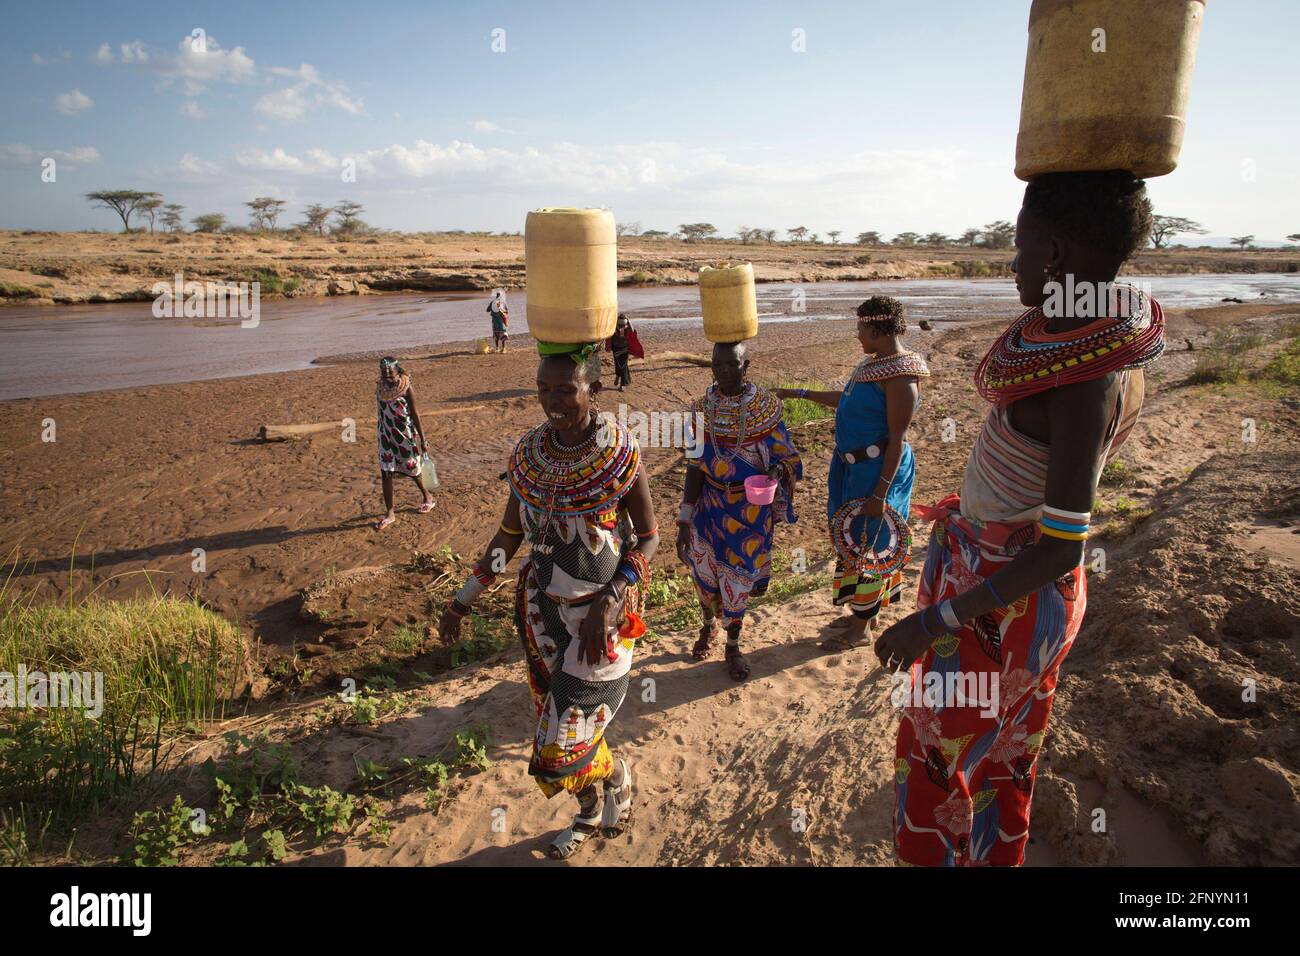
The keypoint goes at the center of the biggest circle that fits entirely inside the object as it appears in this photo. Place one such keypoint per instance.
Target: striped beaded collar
(1027, 358)
(872, 369)
(591, 478)
(740, 419)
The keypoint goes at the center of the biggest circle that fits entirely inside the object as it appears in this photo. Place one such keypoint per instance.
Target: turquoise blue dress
(860, 421)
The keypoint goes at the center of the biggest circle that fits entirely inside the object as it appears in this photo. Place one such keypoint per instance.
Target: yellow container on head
(1106, 85)
(571, 274)
(728, 303)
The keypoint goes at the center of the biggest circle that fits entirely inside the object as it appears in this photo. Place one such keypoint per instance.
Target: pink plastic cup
(760, 489)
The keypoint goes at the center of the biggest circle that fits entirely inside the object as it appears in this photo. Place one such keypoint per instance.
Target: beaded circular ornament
(869, 558)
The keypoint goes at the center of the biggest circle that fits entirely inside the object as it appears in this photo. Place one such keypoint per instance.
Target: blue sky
(896, 116)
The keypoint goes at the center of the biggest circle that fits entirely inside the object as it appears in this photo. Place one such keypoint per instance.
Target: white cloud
(289, 103)
(192, 109)
(134, 52)
(73, 102)
(487, 126)
(309, 92)
(213, 65)
(659, 182)
(104, 55)
(193, 167)
(313, 161)
(21, 156)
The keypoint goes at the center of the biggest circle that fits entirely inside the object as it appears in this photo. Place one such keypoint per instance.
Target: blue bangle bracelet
(926, 627)
(994, 591)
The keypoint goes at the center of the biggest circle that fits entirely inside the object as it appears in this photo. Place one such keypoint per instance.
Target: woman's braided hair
(884, 313)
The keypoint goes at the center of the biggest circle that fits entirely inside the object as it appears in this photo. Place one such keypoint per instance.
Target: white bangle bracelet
(949, 617)
(470, 591)
(685, 514)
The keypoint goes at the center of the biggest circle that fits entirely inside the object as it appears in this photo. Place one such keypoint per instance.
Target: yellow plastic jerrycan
(1106, 85)
(727, 300)
(571, 272)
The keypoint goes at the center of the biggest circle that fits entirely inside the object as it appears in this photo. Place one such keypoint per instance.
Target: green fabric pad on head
(580, 352)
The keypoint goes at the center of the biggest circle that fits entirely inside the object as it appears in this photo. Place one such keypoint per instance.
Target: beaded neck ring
(555, 479)
(1027, 359)
(734, 420)
(872, 369)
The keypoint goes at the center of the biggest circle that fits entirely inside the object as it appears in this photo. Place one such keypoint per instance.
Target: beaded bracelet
(455, 608)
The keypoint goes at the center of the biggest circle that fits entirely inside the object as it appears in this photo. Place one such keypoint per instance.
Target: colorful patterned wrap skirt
(964, 768)
(575, 699)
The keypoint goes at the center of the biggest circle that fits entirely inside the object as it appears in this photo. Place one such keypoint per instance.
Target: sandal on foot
(567, 842)
(388, 519)
(736, 664)
(838, 643)
(425, 507)
(704, 644)
(616, 814)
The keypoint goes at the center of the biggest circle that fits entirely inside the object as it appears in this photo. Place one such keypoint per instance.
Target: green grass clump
(1224, 360)
(800, 411)
(272, 283)
(488, 636)
(1117, 473)
(1284, 369)
(160, 662)
(405, 640)
(11, 290)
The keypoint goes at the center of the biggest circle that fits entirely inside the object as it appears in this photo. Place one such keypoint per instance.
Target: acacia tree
(148, 209)
(124, 202)
(265, 210)
(869, 238)
(835, 236)
(209, 222)
(1294, 237)
(1242, 241)
(936, 239)
(1165, 228)
(314, 218)
(627, 229)
(696, 231)
(969, 238)
(797, 233)
(998, 235)
(349, 214)
(171, 217)
(906, 239)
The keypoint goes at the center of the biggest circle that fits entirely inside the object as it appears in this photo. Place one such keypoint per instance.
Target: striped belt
(732, 487)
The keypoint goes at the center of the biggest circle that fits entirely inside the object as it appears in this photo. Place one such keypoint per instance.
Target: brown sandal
(736, 664)
(705, 642)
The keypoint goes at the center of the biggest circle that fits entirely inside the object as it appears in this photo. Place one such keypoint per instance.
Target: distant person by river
(401, 436)
(500, 313)
(623, 344)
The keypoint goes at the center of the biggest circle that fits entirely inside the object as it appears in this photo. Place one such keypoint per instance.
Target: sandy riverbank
(75, 267)
(1200, 594)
